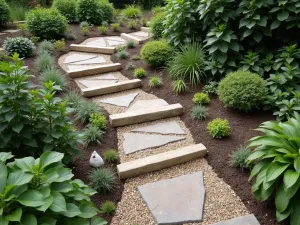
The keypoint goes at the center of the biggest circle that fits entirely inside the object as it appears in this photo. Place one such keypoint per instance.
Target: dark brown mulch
(242, 124)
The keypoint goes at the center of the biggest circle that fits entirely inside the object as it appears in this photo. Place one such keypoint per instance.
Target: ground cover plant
(155, 82)
(131, 11)
(199, 112)
(21, 45)
(179, 86)
(103, 180)
(219, 128)
(139, 73)
(201, 98)
(111, 156)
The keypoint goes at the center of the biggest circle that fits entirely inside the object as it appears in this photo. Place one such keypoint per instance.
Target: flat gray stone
(176, 201)
(96, 82)
(123, 101)
(114, 43)
(115, 38)
(76, 57)
(170, 127)
(107, 77)
(11, 31)
(96, 60)
(243, 220)
(136, 142)
(97, 42)
(147, 104)
(141, 34)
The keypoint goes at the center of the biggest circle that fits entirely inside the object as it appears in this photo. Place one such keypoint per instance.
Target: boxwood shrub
(157, 26)
(67, 8)
(4, 12)
(94, 11)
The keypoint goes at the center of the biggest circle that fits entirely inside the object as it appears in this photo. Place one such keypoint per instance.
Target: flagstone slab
(115, 38)
(114, 43)
(97, 42)
(170, 127)
(177, 200)
(96, 60)
(76, 67)
(76, 57)
(123, 101)
(243, 220)
(107, 77)
(147, 104)
(136, 142)
(141, 34)
(96, 82)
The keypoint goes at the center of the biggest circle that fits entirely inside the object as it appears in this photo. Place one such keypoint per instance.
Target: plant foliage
(219, 128)
(67, 8)
(21, 45)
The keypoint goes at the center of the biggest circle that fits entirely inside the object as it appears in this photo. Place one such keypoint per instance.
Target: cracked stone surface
(96, 60)
(147, 104)
(243, 220)
(97, 82)
(177, 200)
(75, 57)
(170, 127)
(123, 101)
(136, 142)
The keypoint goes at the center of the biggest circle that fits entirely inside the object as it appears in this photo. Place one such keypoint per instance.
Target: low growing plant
(115, 27)
(179, 86)
(144, 22)
(199, 112)
(155, 82)
(92, 135)
(201, 98)
(74, 99)
(55, 76)
(130, 44)
(211, 88)
(129, 66)
(219, 128)
(239, 158)
(103, 29)
(45, 46)
(139, 73)
(122, 54)
(21, 45)
(111, 156)
(98, 120)
(35, 40)
(108, 208)
(132, 24)
(44, 62)
(85, 110)
(60, 45)
(85, 31)
(135, 57)
(103, 180)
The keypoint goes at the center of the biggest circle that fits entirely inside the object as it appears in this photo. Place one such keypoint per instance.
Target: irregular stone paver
(170, 127)
(98, 42)
(136, 142)
(115, 38)
(76, 57)
(11, 31)
(177, 200)
(114, 43)
(141, 34)
(81, 67)
(96, 82)
(96, 60)
(124, 100)
(107, 77)
(147, 104)
(243, 220)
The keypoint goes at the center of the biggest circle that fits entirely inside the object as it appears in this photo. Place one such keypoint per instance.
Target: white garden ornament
(96, 160)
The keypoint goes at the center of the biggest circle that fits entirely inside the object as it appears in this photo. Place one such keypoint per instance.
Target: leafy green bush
(33, 121)
(239, 158)
(188, 64)
(122, 54)
(92, 135)
(111, 156)
(156, 53)
(103, 180)
(132, 24)
(179, 86)
(199, 112)
(40, 191)
(74, 99)
(89, 11)
(115, 27)
(157, 9)
(211, 88)
(139, 73)
(21, 45)
(46, 23)
(244, 91)
(4, 12)
(60, 45)
(67, 8)
(85, 110)
(135, 57)
(107, 10)
(45, 46)
(155, 82)
(98, 120)
(55, 76)
(130, 44)
(219, 128)
(277, 166)
(131, 11)
(201, 98)
(85, 31)
(84, 24)
(44, 62)
(108, 207)
(157, 26)
(103, 29)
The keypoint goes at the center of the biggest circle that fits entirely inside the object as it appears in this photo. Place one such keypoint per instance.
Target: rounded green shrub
(219, 128)
(103, 180)
(21, 45)
(201, 98)
(107, 10)
(132, 11)
(67, 8)
(157, 26)
(243, 91)
(139, 73)
(94, 11)
(108, 208)
(111, 156)
(46, 23)
(4, 12)
(156, 53)
(98, 120)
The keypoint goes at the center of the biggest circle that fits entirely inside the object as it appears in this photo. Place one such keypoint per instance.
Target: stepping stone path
(162, 145)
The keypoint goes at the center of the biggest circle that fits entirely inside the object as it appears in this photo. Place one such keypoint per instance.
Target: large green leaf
(290, 178)
(87, 211)
(256, 155)
(59, 202)
(48, 158)
(48, 202)
(4, 156)
(63, 187)
(26, 164)
(275, 170)
(283, 215)
(281, 200)
(297, 164)
(258, 167)
(72, 210)
(295, 218)
(3, 221)
(282, 15)
(98, 221)
(31, 198)
(15, 215)
(19, 178)
(64, 174)
(3, 176)
(46, 221)
(293, 189)
(28, 219)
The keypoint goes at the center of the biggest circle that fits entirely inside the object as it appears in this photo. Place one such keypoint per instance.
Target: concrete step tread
(93, 49)
(134, 38)
(95, 70)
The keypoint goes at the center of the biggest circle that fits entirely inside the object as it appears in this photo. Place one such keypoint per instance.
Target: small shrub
(104, 23)
(122, 54)
(22, 27)
(121, 21)
(46, 23)
(129, 66)
(107, 10)
(85, 31)
(135, 57)
(111, 156)
(35, 40)
(45, 46)
(199, 112)
(239, 158)
(179, 86)
(144, 22)
(157, 26)
(70, 36)
(103, 29)
(201, 98)
(132, 24)
(67, 8)
(156, 10)
(130, 44)
(243, 91)
(120, 48)
(4, 12)
(219, 128)
(21, 45)
(211, 88)
(60, 45)
(103, 180)
(44, 62)
(53, 75)
(108, 208)
(84, 24)
(139, 73)
(115, 27)
(74, 99)
(156, 53)
(155, 82)
(98, 120)
(85, 110)
(92, 135)
(89, 11)
(132, 11)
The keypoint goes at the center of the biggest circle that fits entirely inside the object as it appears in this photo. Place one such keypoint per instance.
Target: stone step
(145, 29)
(160, 161)
(93, 49)
(95, 70)
(243, 220)
(136, 40)
(145, 115)
(111, 88)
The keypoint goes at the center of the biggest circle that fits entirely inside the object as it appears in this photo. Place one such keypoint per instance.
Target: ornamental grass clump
(45, 46)
(239, 158)
(111, 156)
(92, 135)
(179, 86)
(85, 110)
(103, 180)
(55, 76)
(155, 82)
(108, 208)
(44, 62)
(199, 112)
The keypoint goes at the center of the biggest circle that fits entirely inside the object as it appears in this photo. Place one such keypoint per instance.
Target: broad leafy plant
(41, 191)
(277, 166)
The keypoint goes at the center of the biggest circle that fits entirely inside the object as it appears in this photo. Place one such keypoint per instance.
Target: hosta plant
(277, 166)
(41, 191)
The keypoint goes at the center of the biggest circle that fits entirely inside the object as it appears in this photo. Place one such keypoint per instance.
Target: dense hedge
(4, 12)
(146, 4)
(67, 8)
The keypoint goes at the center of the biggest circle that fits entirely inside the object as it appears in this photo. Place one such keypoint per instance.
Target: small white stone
(96, 160)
